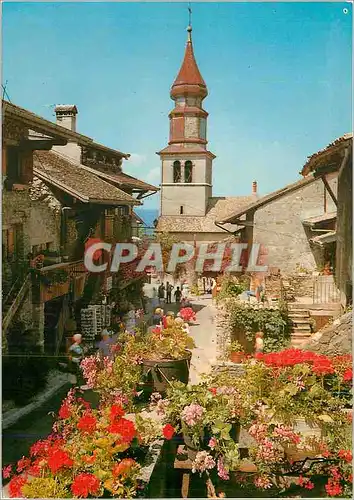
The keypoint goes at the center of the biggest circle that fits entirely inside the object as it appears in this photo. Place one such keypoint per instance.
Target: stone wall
(223, 331)
(335, 339)
(278, 227)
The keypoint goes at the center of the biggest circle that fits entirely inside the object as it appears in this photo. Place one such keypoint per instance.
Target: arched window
(176, 171)
(188, 168)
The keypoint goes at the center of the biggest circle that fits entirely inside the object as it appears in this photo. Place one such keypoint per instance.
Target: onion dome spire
(189, 81)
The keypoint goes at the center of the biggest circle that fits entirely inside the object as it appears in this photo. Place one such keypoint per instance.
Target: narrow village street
(204, 335)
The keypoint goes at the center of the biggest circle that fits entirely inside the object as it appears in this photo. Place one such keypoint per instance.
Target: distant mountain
(148, 215)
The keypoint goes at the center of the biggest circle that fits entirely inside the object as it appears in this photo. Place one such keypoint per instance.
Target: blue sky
(278, 74)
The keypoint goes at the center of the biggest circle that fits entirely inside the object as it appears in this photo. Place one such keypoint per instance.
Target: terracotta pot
(237, 357)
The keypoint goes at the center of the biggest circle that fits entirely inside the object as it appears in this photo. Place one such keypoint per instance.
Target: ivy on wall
(274, 323)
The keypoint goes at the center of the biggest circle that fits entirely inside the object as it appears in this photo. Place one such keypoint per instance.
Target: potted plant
(208, 419)
(236, 352)
(166, 356)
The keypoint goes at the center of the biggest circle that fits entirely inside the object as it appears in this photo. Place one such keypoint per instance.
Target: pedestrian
(178, 295)
(105, 345)
(185, 290)
(169, 289)
(259, 343)
(161, 292)
(76, 355)
(155, 299)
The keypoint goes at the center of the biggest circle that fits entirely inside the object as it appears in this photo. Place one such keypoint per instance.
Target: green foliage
(231, 288)
(235, 346)
(274, 323)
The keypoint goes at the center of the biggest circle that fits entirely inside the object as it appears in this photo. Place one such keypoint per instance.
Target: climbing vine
(274, 323)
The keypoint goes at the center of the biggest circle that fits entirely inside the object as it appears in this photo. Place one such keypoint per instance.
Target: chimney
(254, 187)
(66, 116)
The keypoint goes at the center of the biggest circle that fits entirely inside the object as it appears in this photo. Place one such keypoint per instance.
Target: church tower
(186, 184)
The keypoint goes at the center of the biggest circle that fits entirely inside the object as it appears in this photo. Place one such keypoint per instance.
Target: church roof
(189, 78)
(218, 208)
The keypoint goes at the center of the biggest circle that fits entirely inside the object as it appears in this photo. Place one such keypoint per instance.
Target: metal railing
(325, 290)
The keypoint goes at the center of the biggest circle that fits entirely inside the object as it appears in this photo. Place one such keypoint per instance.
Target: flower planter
(237, 357)
(159, 373)
(205, 437)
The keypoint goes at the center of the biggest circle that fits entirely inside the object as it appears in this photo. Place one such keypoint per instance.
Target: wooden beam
(328, 187)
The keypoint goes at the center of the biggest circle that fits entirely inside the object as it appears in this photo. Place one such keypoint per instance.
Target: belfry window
(188, 168)
(176, 171)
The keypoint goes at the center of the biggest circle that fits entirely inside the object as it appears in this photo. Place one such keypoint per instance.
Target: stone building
(337, 159)
(188, 208)
(287, 224)
(72, 190)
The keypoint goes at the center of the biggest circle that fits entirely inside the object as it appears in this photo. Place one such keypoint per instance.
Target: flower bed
(96, 453)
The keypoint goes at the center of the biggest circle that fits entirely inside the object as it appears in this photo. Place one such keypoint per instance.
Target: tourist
(185, 290)
(161, 292)
(168, 320)
(105, 345)
(76, 355)
(178, 295)
(155, 299)
(259, 343)
(169, 289)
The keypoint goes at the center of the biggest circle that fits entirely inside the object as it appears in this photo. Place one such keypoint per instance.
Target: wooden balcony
(58, 279)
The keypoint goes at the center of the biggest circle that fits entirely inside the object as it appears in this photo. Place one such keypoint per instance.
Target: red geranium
(168, 431)
(15, 486)
(348, 375)
(116, 411)
(125, 428)
(22, 464)
(64, 411)
(187, 314)
(59, 459)
(87, 423)
(123, 467)
(333, 488)
(85, 485)
(322, 366)
(345, 455)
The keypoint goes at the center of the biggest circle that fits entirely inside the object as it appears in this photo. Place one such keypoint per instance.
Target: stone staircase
(301, 324)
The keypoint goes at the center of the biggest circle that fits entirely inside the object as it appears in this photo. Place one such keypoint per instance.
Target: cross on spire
(190, 14)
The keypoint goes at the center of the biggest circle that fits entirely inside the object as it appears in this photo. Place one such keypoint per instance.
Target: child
(259, 343)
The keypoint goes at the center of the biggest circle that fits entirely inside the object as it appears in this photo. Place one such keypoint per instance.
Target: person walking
(169, 289)
(161, 292)
(105, 345)
(178, 295)
(76, 355)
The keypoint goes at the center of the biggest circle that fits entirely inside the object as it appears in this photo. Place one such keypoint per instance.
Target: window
(11, 242)
(124, 210)
(177, 171)
(188, 167)
(181, 210)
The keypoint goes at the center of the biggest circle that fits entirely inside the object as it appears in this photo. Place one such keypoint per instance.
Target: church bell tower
(186, 183)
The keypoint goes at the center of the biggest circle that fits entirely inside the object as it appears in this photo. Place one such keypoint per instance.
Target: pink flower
(6, 471)
(203, 461)
(263, 482)
(223, 473)
(192, 414)
(212, 443)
